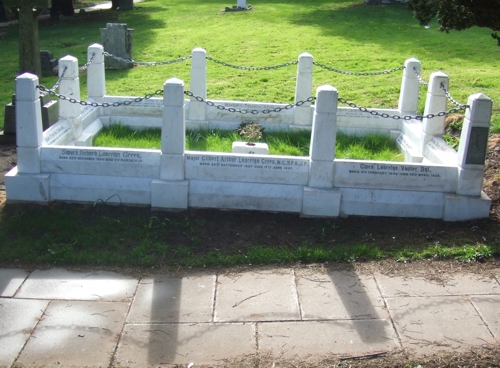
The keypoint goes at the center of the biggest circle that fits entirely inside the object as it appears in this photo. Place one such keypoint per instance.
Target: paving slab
(316, 340)
(76, 334)
(153, 345)
(17, 320)
(455, 284)
(428, 325)
(339, 295)
(488, 307)
(61, 284)
(257, 296)
(167, 299)
(10, 280)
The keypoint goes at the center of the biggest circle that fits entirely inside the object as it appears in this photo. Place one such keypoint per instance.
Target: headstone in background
(117, 40)
(48, 63)
(241, 4)
(50, 113)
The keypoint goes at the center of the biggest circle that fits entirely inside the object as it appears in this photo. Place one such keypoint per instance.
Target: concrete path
(61, 318)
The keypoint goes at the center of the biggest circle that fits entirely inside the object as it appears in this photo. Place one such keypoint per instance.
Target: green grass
(336, 33)
(370, 147)
(96, 236)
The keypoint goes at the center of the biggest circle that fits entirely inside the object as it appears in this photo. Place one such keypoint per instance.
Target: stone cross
(29, 51)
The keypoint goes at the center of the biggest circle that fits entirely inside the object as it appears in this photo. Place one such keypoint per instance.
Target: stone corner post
(410, 86)
(473, 145)
(320, 198)
(323, 138)
(198, 84)
(29, 131)
(171, 190)
(70, 88)
(96, 79)
(302, 115)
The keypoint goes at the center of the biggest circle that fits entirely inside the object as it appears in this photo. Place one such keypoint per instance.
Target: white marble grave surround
(180, 179)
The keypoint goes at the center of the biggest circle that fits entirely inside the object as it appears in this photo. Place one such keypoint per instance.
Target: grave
(117, 40)
(48, 63)
(60, 164)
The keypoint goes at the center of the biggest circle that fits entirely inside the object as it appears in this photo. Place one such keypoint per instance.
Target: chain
(452, 100)
(59, 80)
(398, 117)
(358, 73)
(420, 80)
(252, 67)
(148, 63)
(245, 111)
(52, 92)
(86, 65)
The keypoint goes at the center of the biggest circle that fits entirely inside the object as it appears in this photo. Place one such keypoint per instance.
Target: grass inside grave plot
(343, 34)
(369, 147)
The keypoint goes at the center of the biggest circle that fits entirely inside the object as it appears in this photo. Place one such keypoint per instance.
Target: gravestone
(48, 63)
(117, 40)
(50, 113)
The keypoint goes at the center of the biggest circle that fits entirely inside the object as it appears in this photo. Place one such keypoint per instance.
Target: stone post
(408, 97)
(29, 133)
(96, 81)
(70, 88)
(323, 138)
(303, 90)
(241, 4)
(435, 102)
(173, 132)
(473, 145)
(117, 40)
(198, 84)
(171, 190)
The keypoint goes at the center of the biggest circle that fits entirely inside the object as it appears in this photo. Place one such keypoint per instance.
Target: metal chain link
(420, 80)
(86, 65)
(358, 73)
(97, 104)
(59, 80)
(398, 117)
(245, 111)
(452, 100)
(252, 67)
(147, 63)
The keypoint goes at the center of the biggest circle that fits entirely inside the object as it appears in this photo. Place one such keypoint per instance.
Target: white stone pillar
(435, 102)
(473, 145)
(302, 115)
(198, 84)
(173, 132)
(29, 133)
(241, 4)
(96, 79)
(408, 97)
(323, 138)
(70, 88)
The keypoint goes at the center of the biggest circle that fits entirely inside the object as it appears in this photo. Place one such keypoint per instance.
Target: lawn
(342, 34)
(370, 147)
